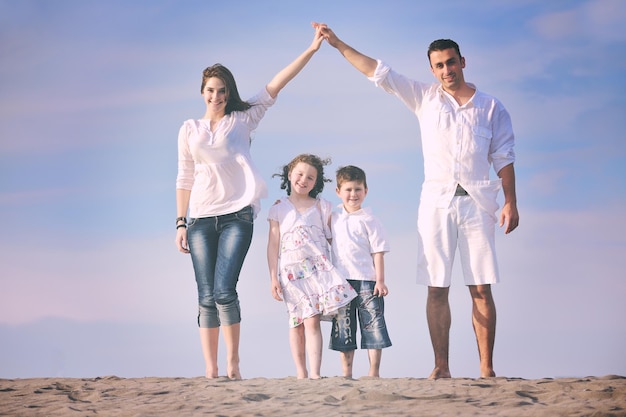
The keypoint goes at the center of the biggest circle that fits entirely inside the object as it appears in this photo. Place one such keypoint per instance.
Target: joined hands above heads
(326, 32)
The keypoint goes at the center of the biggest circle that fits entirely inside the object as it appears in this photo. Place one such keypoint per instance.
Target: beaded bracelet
(181, 219)
(181, 225)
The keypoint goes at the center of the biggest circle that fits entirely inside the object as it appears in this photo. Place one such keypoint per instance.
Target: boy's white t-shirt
(356, 237)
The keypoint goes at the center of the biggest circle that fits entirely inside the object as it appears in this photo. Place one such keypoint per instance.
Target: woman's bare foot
(211, 372)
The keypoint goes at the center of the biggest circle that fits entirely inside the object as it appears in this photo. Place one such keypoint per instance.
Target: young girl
(298, 256)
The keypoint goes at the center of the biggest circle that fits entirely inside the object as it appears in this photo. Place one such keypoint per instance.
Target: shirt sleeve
(410, 92)
(377, 235)
(273, 213)
(260, 104)
(502, 151)
(185, 177)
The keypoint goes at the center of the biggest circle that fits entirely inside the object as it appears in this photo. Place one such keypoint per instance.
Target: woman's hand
(181, 240)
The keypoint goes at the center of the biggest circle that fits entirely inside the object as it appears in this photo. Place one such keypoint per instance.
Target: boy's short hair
(350, 173)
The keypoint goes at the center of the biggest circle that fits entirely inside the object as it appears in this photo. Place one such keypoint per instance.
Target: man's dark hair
(442, 44)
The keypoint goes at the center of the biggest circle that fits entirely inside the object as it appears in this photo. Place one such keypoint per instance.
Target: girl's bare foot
(234, 373)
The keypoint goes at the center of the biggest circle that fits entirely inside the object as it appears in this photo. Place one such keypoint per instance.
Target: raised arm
(290, 71)
(362, 62)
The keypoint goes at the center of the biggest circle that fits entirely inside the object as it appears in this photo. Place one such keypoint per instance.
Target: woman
(219, 187)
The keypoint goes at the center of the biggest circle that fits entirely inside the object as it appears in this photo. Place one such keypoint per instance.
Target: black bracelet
(181, 219)
(181, 225)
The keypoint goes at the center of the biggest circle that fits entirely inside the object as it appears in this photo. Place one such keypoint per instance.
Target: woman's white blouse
(217, 166)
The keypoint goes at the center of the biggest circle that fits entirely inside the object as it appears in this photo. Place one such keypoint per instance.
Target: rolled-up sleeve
(409, 91)
(380, 73)
(502, 146)
(260, 103)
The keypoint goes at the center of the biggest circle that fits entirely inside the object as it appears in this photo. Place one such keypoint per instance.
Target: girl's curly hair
(313, 160)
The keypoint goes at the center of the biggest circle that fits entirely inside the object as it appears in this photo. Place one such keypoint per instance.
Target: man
(463, 132)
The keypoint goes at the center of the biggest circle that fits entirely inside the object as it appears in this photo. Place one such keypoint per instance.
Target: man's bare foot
(488, 374)
(439, 374)
(211, 373)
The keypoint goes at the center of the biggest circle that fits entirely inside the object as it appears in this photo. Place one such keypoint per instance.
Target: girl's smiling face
(302, 178)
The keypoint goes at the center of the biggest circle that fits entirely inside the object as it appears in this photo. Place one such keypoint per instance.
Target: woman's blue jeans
(218, 247)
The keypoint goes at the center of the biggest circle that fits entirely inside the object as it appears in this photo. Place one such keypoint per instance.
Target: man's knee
(481, 292)
(438, 294)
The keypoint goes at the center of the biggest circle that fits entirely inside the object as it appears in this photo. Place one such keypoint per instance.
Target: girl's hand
(276, 290)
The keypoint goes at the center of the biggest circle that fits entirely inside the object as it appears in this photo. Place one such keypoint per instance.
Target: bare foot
(211, 373)
(234, 374)
(488, 374)
(439, 374)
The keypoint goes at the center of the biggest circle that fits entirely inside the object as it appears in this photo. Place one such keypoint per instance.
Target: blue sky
(92, 94)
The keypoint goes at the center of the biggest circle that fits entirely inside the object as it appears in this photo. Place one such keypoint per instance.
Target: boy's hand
(381, 290)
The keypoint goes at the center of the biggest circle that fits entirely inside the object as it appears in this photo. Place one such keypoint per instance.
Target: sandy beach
(114, 396)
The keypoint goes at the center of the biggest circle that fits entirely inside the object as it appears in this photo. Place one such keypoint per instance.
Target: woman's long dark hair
(233, 101)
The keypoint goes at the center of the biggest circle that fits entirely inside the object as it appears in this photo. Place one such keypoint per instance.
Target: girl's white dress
(310, 283)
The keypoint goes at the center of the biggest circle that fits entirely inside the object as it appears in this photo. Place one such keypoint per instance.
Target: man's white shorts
(463, 225)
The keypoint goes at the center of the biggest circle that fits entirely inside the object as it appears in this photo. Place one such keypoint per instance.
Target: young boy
(358, 248)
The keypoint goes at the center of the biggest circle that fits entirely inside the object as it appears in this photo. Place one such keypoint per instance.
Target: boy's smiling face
(352, 194)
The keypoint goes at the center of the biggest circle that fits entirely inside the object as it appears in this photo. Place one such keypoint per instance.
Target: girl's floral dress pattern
(310, 283)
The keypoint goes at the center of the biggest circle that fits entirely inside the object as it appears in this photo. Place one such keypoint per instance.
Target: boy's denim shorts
(370, 310)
